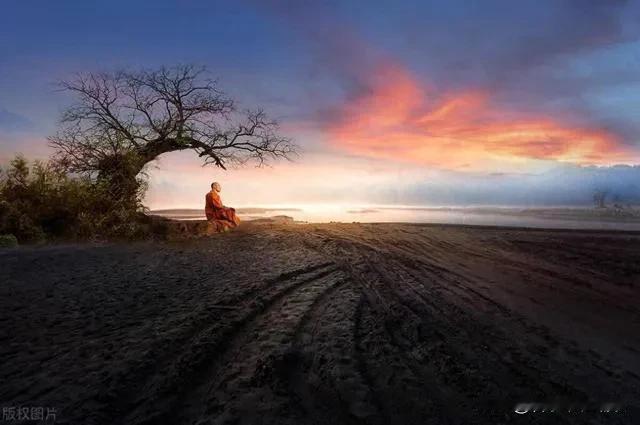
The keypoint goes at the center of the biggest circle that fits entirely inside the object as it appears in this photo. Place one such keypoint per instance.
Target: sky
(405, 103)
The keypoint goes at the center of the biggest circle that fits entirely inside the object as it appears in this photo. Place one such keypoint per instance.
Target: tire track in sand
(125, 399)
(184, 374)
(426, 332)
(249, 382)
(327, 378)
(417, 394)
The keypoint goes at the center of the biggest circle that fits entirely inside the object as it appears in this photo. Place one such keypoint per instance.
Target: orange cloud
(401, 119)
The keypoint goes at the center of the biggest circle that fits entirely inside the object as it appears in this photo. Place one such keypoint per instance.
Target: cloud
(336, 53)
(11, 122)
(563, 185)
(401, 119)
(518, 56)
(567, 28)
(494, 41)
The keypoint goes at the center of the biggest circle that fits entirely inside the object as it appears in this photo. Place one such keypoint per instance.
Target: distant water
(559, 218)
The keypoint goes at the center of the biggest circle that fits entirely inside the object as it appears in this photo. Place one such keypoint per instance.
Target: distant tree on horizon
(121, 121)
(600, 197)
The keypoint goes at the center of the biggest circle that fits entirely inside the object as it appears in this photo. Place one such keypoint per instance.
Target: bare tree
(124, 120)
(600, 197)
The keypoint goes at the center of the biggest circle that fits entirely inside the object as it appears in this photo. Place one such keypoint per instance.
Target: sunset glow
(403, 120)
(416, 103)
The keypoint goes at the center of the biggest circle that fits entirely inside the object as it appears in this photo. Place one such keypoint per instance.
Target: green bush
(39, 202)
(8, 241)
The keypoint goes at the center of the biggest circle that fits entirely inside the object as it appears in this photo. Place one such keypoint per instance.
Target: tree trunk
(119, 173)
(119, 177)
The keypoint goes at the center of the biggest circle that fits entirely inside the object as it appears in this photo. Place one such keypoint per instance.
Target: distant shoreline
(190, 211)
(499, 216)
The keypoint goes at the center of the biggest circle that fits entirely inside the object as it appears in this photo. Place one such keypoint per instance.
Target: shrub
(38, 201)
(8, 241)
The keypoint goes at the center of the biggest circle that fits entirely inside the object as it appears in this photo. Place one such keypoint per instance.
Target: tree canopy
(122, 120)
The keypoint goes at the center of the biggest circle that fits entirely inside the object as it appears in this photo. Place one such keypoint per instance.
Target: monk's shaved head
(216, 186)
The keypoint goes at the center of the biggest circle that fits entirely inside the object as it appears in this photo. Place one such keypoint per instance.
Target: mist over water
(558, 218)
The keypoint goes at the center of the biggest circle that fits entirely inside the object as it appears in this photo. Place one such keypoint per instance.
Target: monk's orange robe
(216, 212)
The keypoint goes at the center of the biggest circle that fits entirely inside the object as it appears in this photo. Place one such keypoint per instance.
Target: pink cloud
(401, 119)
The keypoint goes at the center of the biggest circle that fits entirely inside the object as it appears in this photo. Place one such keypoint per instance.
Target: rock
(276, 219)
(184, 229)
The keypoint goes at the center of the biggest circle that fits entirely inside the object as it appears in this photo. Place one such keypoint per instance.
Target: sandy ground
(326, 324)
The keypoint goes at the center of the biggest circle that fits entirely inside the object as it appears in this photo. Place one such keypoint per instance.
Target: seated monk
(221, 217)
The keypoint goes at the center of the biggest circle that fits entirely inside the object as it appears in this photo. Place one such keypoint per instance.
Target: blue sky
(414, 101)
